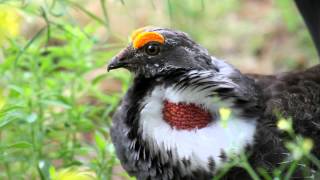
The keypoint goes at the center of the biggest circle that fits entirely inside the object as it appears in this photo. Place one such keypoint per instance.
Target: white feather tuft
(200, 144)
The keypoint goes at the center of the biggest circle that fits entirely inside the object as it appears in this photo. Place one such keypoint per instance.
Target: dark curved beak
(119, 61)
(115, 63)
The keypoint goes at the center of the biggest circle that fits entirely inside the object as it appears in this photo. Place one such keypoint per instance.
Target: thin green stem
(245, 164)
(105, 13)
(8, 171)
(224, 170)
(292, 167)
(251, 171)
(314, 160)
(88, 13)
(23, 50)
(202, 4)
(170, 11)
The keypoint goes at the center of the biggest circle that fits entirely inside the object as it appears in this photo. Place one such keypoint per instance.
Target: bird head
(155, 51)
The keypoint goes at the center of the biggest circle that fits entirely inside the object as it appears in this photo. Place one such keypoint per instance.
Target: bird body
(170, 123)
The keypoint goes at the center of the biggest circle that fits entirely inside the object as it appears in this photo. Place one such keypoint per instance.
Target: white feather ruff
(198, 145)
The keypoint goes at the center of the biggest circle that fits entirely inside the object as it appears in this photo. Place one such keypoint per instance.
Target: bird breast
(187, 123)
(185, 116)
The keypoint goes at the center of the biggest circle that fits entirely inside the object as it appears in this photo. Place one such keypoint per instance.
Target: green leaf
(99, 78)
(100, 141)
(52, 171)
(17, 89)
(56, 103)
(9, 116)
(5, 122)
(20, 145)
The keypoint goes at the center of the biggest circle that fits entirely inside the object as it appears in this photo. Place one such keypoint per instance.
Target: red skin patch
(185, 116)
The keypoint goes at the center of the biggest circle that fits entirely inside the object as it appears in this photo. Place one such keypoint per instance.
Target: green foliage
(48, 114)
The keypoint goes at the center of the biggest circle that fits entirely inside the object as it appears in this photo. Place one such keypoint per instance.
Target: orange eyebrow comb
(139, 38)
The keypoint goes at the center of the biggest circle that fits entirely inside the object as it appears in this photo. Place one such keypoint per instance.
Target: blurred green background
(56, 97)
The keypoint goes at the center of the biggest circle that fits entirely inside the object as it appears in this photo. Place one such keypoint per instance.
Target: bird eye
(152, 49)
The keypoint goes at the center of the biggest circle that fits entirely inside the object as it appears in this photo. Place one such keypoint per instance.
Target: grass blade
(105, 12)
(88, 13)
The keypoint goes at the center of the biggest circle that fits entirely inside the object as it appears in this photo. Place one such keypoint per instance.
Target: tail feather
(310, 10)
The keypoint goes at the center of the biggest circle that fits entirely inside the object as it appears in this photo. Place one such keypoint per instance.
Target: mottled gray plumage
(293, 95)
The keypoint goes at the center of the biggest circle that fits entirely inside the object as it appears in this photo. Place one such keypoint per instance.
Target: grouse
(169, 124)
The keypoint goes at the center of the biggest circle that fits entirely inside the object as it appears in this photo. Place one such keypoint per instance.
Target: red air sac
(185, 116)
